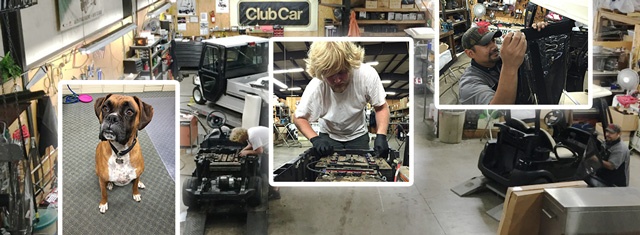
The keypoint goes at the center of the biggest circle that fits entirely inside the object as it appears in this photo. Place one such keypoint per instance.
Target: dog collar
(119, 154)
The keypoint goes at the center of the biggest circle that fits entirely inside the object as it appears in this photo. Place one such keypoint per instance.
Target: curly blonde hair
(326, 58)
(239, 135)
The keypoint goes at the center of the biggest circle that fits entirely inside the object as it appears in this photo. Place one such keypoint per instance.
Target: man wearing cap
(615, 168)
(492, 77)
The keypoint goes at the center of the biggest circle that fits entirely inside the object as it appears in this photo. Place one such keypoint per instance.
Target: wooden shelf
(364, 22)
(387, 9)
(400, 109)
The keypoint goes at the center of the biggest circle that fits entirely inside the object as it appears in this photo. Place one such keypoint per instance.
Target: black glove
(381, 146)
(321, 146)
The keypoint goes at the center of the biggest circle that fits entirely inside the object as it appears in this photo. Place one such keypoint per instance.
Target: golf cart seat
(560, 151)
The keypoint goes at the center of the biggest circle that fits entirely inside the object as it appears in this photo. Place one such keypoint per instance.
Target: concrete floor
(426, 207)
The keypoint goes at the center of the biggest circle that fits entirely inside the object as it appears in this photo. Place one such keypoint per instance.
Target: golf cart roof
(240, 40)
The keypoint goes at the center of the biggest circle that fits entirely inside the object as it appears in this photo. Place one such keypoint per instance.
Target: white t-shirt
(259, 137)
(342, 115)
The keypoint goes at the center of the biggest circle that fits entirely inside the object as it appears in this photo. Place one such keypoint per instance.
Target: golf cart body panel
(522, 157)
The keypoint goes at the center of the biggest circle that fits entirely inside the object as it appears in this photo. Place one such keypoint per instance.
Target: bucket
(451, 124)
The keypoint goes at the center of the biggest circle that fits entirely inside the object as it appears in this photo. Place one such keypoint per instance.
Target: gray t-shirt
(478, 84)
(619, 153)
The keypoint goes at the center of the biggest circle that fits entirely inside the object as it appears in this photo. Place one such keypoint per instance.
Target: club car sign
(274, 13)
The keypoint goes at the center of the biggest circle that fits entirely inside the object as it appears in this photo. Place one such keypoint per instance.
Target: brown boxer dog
(118, 157)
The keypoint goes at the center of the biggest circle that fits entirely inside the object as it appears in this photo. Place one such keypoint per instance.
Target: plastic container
(451, 126)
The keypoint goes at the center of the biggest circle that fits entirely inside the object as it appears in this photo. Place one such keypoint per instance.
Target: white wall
(1, 46)
(40, 28)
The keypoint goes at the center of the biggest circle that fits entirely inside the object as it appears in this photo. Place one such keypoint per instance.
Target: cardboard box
(627, 121)
(443, 47)
(371, 4)
(383, 3)
(395, 4)
(523, 207)
(188, 130)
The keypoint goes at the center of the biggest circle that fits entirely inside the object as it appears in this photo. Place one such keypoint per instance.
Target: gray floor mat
(155, 214)
(159, 127)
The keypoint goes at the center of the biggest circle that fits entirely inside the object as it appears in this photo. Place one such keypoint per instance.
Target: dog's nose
(112, 118)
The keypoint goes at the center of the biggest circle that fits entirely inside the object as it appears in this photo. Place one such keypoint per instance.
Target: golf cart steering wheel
(554, 117)
(216, 119)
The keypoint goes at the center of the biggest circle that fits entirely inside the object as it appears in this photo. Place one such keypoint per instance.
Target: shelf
(462, 9)
(400, 109)
(605, 73)
(606, 54)
(458, 23)
(13, 104)
(387, 9)
(364, 22)
(374, 34)
(457, 36)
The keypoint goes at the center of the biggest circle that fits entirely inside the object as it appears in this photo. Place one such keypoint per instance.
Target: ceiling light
(296, 70)
(295, 89)
(372, 63)
(279, 83)
(390, 93)
(386, 81)
(106, 39)
(159, 11)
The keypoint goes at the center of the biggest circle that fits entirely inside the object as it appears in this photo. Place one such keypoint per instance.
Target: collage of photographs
(320, 117)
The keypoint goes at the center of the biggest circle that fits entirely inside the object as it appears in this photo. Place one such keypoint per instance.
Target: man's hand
(381, 146)
(514, 46)
(244, 153)
(321, 146)
(539, 26)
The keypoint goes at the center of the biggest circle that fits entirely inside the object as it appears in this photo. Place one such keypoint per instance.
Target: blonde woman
(337, 96)
(257, 140)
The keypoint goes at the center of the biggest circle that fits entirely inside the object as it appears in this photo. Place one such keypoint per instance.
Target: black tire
(197, 96)
(256, 198)
(188, 199)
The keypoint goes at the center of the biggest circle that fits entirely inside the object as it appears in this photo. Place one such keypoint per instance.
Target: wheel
(197, 96)
(188, 199)
(256, 198)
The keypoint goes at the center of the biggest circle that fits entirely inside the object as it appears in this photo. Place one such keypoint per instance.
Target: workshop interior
(479, 171)
(554, 69)
(294, 162)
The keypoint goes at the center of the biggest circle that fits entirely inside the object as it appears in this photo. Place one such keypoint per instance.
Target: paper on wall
(222, 6)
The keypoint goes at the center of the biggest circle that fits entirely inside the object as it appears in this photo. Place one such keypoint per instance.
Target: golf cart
(221, 175)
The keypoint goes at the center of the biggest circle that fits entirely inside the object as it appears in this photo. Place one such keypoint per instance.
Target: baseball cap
(613, 128)
(478, 36)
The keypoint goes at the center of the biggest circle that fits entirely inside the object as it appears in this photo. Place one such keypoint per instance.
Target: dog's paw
(141, 185)
(109, 185)
(137, 197)
(104, 208)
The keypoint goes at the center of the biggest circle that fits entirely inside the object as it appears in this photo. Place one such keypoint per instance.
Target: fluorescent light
(296, 70)
(295, 89)
(106, 39)
(159, 11)
(390, 93)
(372, 63)
(386, 81)
(279, 83)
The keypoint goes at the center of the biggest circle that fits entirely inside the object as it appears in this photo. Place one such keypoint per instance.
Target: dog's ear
(98, 106)
(146, 113)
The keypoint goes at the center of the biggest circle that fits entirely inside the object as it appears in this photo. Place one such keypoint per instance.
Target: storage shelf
(364, 22)
(387, 9)
(374, 34)
(605, 73)
(446, 11)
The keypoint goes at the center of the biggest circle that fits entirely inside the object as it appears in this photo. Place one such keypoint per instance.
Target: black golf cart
(221, 175)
